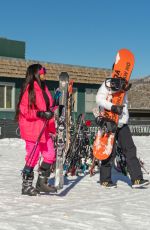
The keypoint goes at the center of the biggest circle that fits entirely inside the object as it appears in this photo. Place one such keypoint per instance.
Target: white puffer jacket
(103, 100)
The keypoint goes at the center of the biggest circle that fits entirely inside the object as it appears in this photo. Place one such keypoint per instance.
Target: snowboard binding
(106, 124)
(120, 163)
(117, 84)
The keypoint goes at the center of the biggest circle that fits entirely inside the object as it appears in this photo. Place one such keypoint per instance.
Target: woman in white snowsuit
(103, 100)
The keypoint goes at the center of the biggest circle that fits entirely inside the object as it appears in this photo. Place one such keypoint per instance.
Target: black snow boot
(108, 184)
(27, 188)
(140, 183)
(42, 181)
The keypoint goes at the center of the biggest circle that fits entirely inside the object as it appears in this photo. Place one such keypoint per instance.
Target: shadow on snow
(68, 185)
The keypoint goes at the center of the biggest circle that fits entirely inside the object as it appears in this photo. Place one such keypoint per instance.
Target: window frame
(92, 101)
(5, 84)
(75, 109)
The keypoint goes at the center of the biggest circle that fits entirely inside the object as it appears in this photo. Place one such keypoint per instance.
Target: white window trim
(87, 110)
(76, 109)
(12, 99)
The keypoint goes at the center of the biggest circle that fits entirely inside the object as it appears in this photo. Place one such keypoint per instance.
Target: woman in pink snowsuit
(36, 107)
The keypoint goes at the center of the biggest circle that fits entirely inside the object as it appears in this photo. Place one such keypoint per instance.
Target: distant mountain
(139, 94)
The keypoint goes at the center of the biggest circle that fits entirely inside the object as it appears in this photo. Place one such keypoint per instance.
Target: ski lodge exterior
(13, 67)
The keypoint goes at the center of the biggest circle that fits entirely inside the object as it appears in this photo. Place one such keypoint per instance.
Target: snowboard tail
(103, 145)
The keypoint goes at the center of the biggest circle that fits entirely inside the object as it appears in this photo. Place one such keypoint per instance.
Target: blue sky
(80, 32)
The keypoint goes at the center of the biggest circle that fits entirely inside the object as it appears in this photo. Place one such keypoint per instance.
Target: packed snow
(82, 204)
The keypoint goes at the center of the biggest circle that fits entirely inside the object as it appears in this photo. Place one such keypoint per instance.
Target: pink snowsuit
(31, 126)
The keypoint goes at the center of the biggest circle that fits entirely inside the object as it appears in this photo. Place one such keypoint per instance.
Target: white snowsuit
(103, 100)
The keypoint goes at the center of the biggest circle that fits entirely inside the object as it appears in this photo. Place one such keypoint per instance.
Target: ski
(61, 129)
(69, 114)
(73, 153)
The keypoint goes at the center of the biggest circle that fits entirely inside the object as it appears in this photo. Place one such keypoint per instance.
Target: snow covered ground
(83, 204)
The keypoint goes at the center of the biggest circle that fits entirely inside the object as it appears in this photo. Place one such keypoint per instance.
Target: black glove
(128, 87)
(99, 121)
(46, 115)
(117, 109)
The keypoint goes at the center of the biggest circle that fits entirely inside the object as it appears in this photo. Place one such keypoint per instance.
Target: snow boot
(42, 181)
(27, 188)
(139, 183)
(108, 184)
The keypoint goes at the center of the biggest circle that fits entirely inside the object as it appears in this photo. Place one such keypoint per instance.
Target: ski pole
(92, 167)
(142, 166)
(56, 97)
(36, 144)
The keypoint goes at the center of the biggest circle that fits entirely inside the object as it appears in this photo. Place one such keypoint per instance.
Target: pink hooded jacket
(30, 125)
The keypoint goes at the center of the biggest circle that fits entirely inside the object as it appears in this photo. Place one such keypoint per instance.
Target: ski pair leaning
(64, 122)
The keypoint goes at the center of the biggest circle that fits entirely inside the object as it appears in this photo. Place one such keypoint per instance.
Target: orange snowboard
(123, 67)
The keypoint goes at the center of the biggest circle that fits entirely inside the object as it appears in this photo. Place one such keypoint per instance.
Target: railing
(140, 130)
(9, 128)
(137, 129)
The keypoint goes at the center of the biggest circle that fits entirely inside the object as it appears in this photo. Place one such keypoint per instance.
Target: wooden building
(87, 80)
(13, 67)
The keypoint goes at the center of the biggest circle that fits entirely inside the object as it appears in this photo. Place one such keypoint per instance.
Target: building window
(90, 100)
(7, 96)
